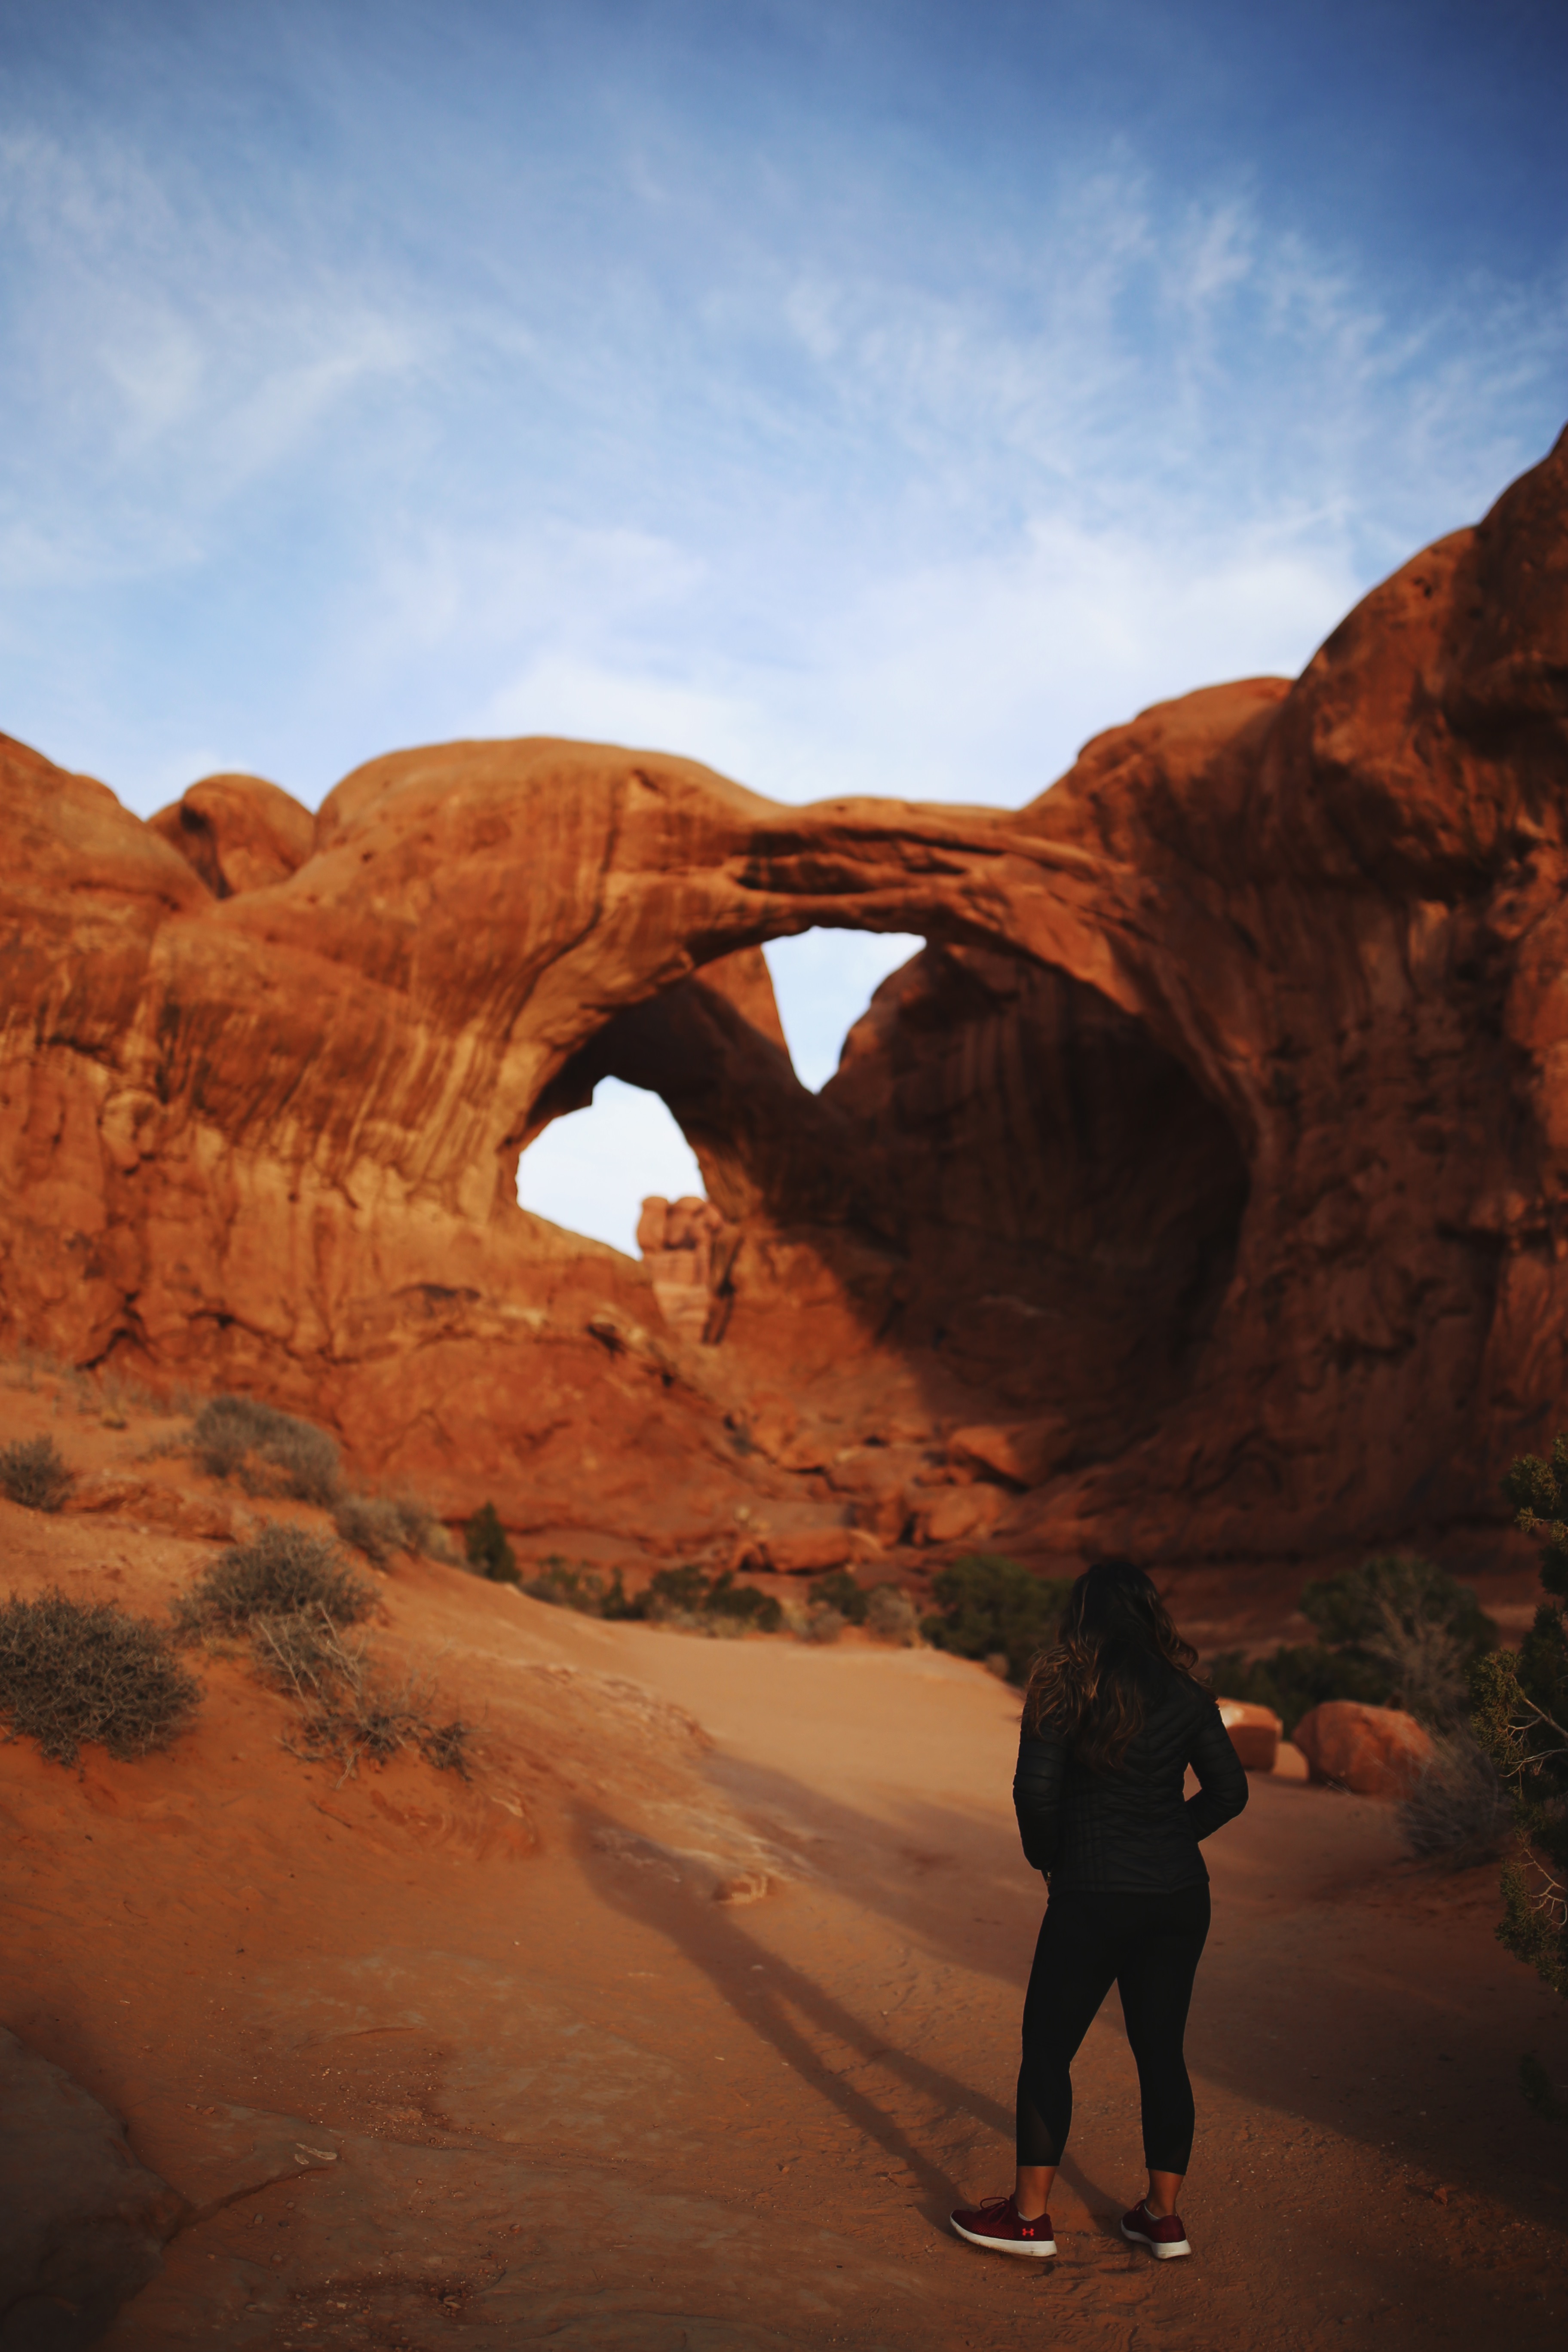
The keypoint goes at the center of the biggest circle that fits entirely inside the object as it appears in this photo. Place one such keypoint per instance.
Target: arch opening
(592, 1169)
(617, 1139)
(1007, 1183)
(823, 983)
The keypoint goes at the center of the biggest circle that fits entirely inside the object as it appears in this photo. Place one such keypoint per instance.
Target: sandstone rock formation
(688, 1250)
(1201, 1189)
(82, 2223)
(1254, 1733)
(239, 833)
(1374, 1751)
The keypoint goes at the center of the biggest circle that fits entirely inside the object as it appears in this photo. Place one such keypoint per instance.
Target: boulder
(809, 1551)
(959, 1514)
(1375, 1751)
(1021, 1453)
(82, 2223)
(1254, 1732)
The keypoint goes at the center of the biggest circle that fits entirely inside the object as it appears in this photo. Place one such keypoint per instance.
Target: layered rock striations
(1203, 1186)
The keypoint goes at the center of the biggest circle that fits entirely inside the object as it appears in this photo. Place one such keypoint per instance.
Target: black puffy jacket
(1130, 1831)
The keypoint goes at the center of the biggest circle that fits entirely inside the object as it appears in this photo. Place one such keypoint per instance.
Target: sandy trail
(437, 2065)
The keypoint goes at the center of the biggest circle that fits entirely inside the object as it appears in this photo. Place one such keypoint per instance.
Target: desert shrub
(583, 1588)
(32, 1473)
(284, 1571)
(1409, 1622)
(745, 1602)
(347, 1707)
(839, 1590)
(382, 1525)
(1459, 1811)
(891, 1616)
(488, 1552)
(423, 1532)
(1521, 1718)
(824, 1624)
(373, 1526)
(271, 1453)
(677, 1589)
(991, 1606)
(1395, 1632)
(689, 1597)
(72, 1671)
(1296, 1678)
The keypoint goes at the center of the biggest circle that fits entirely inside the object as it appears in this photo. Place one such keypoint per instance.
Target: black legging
(1149, 1946)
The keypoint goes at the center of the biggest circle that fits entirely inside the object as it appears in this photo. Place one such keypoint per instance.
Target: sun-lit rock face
(1374, 1751)
(239, 833)
(1216, 1146)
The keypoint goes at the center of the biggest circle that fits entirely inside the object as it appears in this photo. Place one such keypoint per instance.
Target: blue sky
(858, 396)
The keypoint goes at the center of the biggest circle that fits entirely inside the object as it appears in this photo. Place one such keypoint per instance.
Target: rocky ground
(686, 2018)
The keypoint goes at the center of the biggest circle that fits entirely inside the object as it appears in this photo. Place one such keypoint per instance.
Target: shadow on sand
(788, 2008)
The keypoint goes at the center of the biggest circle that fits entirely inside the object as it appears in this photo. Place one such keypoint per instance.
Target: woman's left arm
(1222, 1782)
(1038, 1799)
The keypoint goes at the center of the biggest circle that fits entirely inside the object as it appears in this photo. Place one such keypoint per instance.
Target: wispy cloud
(163, 361)
(771, 453)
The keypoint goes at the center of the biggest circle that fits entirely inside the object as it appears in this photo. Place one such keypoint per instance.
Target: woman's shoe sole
(1041, 2248)
(1161, 2252)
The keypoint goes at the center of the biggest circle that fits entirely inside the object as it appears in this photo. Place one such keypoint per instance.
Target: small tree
(992, 1607)
(490, 1554)
(839, 1590)
(1395, 1632)
(1521, 1720)
(1408, 1620)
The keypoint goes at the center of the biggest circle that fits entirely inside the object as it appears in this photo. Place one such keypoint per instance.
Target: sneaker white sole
(1040, 2248)
(1163, 2251)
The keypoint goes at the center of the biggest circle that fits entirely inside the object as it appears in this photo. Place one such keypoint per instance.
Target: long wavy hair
(1094, 1688)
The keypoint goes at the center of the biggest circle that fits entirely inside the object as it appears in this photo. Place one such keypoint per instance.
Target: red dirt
(567, 2093)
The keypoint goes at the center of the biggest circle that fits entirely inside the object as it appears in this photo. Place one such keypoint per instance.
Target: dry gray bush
(1459, 1811)
(348, 1710)
(824, 1624)
(891, 1616)
(34, 1473)
(271, 1453)
(280, 1572)
(294, 1596)
(72, 1671)
(373, 1526)
(424, 1533)
(381, 1526)
(1424, 1659)
(694, 1620)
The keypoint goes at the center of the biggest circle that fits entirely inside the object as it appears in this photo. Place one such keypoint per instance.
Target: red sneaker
(1165, 2239)
(997, 2226)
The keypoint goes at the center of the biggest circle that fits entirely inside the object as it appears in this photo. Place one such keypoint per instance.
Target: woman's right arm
(1223, 1788)
(1038, 1799)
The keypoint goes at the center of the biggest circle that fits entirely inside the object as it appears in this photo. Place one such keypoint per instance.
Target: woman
(1113, 1717)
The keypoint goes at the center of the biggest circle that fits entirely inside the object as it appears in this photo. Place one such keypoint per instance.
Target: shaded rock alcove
(1055, 1206)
